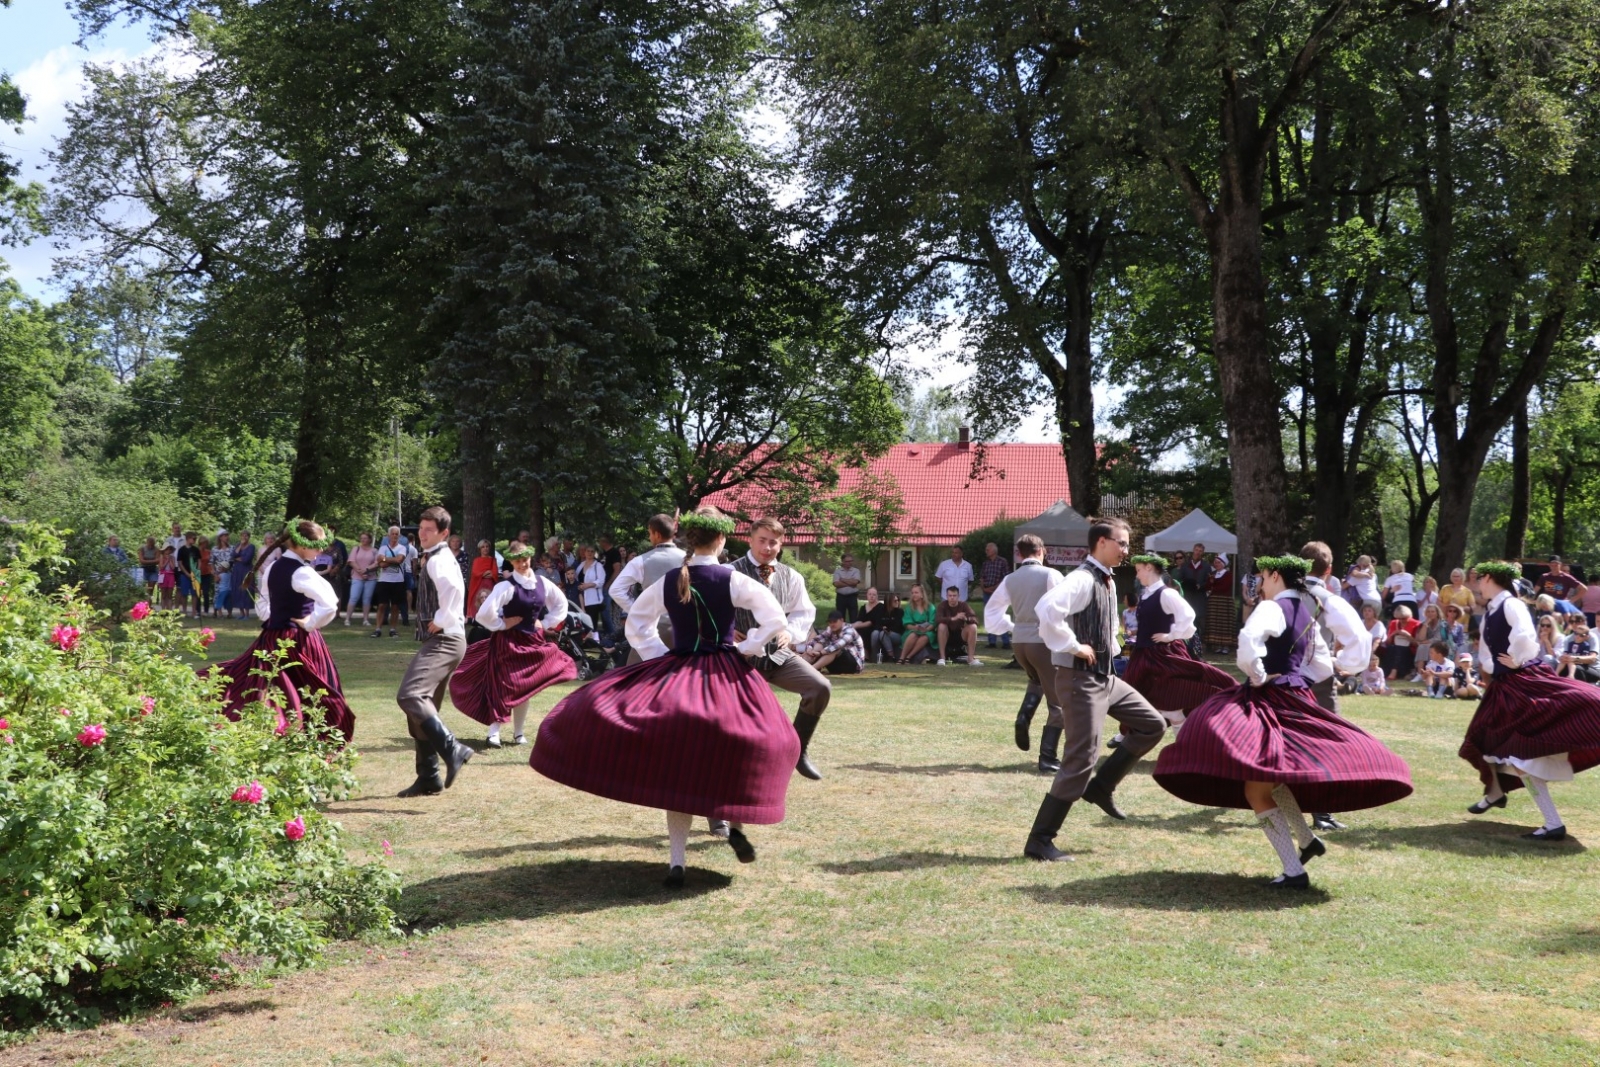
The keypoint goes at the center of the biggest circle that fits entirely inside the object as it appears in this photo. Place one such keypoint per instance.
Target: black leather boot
(427, 783)
(1049, 742)
(1030, 704)
(1041, 839)
(1104, 783)
(445, 745)
(806, 725)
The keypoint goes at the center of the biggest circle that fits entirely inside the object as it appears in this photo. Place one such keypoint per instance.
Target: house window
(905, 564)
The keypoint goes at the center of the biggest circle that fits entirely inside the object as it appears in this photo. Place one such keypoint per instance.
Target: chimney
(964, 439)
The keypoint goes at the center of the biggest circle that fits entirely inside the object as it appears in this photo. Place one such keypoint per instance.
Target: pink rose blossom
(140, 611)
(207, 635)
(5, 724)
(92, 735)
(148, 704)
(254, 793)
(65, 714)
(388, 849)
(66, 637)
(295, 828)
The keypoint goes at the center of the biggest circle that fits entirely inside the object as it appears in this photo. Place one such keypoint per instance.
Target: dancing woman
(1533, 726)
(302, 603)
(499, 676)
(1267, 745)
(1161, 667)
(694, 729)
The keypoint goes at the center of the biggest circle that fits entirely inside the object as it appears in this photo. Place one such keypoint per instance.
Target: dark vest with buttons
(1496, 634)
(1092, 625)
(287, 603)
(1152, 619)
(706, 622)
(1290, 649)
(781, 583)
(427, 592)
(525, 604)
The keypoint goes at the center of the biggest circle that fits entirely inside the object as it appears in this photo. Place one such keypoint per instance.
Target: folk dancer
(1019, 593)
(442, 629)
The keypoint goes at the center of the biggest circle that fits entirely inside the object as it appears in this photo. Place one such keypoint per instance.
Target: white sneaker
(347, 621)
(940, 663)
(974, 661)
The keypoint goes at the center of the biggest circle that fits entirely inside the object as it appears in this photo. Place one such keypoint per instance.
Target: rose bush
(129, 873)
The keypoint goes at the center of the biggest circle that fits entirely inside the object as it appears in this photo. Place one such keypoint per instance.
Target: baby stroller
(578, 639)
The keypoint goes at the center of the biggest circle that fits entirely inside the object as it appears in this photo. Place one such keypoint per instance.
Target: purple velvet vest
(525, 604)
(1290, 649)
(1152, 618)
(287, 604)
(1497, 635)
(705, 624)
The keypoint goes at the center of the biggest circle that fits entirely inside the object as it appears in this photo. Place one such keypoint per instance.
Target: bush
(819, 583)
(149, 846)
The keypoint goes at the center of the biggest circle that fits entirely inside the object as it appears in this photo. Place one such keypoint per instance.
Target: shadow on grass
(530, 890)
(916, 861)
(941, 770)
(1212, 821)
(340, 809)
(1467, 838)
(596, 841)
(219, 1011)
(1578, 939)
(1174, 891)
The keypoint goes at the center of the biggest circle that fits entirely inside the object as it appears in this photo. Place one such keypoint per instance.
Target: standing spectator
(591, 582)
(837, 649)
(610, 557)
(458, 552)
(1580, 658)
(1591, 604)
(991, 574)
(118, 554)
(917, 618)
(1480, 603)
(339, 552)
(208, 579)
(547, 570)
(847, 587)
(569, 554)
(187, 557)
(1399, 589)
(176, 540)
(1457, 593)
(244, 560)
(390, 596)
(363, 568)
(167, 577)
(222, 567)
(1363, 579)
(1250, 591)
(955, 618)
(1400, 643)
(408, 571)
(1222, 621)
(150, 564)
(1560, 583)
(1193, 574)
(481, 578)
(955, 571)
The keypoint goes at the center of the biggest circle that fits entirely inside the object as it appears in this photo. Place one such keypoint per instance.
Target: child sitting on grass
(1439, 672)
(1465, 683)
(1373, 681)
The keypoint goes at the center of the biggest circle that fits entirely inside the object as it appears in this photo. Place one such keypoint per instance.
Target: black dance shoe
(1321, 820)
(422, 787)
(1541, 834)
(1313, 850)
(1484, 804)
(1291, 881)
(674, 878)
(741, 845)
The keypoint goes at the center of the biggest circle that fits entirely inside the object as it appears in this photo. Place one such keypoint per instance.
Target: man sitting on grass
(837, 649)
(956, 617)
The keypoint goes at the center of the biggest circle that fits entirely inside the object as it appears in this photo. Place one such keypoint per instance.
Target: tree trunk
(1075, 401)
(477, 484)
(304, 498)
(1517, 522)
(536, 524)
(1558, 508)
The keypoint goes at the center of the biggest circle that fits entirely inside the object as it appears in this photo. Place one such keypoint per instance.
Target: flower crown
(1149, 559)
(1288, 567)
(525, 552)
(306, 542)
(695, 520)
(1504, 574)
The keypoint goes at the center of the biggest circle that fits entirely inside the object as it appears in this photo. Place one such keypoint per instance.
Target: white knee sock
(1291, 811)
(678, 835)
(494, 730)
(519, 717)
(1276, 827)
(1540, 789)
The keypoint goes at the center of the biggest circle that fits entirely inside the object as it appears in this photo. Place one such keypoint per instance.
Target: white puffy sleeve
(621, 590)
(801, 615)
(1059, 605)
(1173, 604)
(555, 602)
(324, 601)
(1355, 643)
(1524, 638)
(642, 618)
(489, 613)
(995, 619)
(757, 599)
(1265, 621)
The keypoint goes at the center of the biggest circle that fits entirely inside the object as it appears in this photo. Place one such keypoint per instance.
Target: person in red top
(485, 573)
(1222, 618)
(1398, 648)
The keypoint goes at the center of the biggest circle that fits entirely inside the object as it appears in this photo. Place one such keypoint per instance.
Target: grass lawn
(892, 920)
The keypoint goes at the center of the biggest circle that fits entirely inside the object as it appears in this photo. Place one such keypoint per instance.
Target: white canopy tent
(1195, 528)
(1064, 532)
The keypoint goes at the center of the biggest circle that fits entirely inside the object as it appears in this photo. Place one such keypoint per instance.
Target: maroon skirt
(309, 669)
(506, 670)
(1529, 713)
(1276, 733)
(701, 734)
(1171, 679)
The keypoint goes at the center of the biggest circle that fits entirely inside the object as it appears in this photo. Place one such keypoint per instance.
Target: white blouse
(1524, 638)
(490, 615)
(746, 592)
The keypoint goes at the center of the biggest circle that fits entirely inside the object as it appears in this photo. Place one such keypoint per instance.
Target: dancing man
(442, 629)
(302, 604)
(694, 730)
(1533, 726)
(1267, 745)
(1078, 620)
(778, 662)
(648, 568)
(1020, 592)
(499, 676)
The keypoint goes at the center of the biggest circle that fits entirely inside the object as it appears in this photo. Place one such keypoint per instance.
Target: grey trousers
(423, 687)
(1041, 672)
(1325, 696)
(1086, 700)
(798, 676)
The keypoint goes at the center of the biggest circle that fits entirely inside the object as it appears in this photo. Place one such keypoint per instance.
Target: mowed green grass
(891, 919)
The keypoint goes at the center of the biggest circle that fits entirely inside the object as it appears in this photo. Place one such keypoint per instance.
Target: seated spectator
(1399, 642)
(1430, 630)
(1130, 617)
(1438, 671)
(1580, 657)
(955, 618)
(917, 618)
(837, 648)
(1429, 595)
(1551, 640)
(1372, 681)
(1465, 683)
(887, 640)
(1345, 682)
(1455, 629)
(1369, 619)
(871, 618)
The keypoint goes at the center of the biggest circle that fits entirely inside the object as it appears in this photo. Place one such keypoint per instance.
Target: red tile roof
(943, 500)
